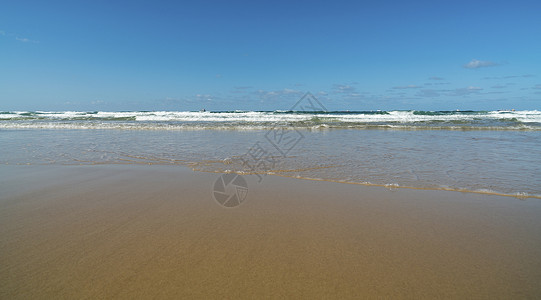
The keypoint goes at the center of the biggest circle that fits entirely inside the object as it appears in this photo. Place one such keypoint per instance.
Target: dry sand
(156, 232)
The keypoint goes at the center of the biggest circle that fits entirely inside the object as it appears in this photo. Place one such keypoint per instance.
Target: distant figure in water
(203, 110)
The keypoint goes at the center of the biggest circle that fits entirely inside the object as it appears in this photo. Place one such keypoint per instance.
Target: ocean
(246, 120)
(492, 152)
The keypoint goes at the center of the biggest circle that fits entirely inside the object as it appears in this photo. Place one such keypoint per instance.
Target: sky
(264, 55)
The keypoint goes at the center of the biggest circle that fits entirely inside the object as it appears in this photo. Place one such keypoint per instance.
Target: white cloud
(475, 64)
(435, 78)
(25, 40)
(290, 91)
(519, 76)
(466, 91)
(411, 86)
(343, 88)
(511, 76)
(428, 93)
(436, 83)
(18, 38)
(279, 93)
(204, 97)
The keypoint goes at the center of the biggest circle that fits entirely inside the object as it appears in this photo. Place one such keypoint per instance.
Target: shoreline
(520, 196)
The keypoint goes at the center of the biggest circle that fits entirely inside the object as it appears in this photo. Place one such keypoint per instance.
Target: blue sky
(263, 55)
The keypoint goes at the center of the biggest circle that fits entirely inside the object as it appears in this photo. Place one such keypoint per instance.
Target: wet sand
(156, 232)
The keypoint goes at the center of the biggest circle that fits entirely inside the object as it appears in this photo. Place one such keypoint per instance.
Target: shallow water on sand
(507, 162)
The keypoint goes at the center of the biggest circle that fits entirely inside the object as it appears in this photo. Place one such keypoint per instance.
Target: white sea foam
(164, 119)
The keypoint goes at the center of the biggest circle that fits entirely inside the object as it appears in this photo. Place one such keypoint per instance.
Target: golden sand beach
(128, 232)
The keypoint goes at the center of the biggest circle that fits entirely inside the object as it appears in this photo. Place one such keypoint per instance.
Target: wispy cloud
(279, 93)
(436, 78)
(510, 76)
(343, 88)
(437, 83)
(25, 40)
(428, 93)
(466, 91)
(178, 101)
(354, 95)
(476, 64)
(432, 93)
(204, 97)
(519, 76)
(241, 89)
(405, 87)
(17, 37)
